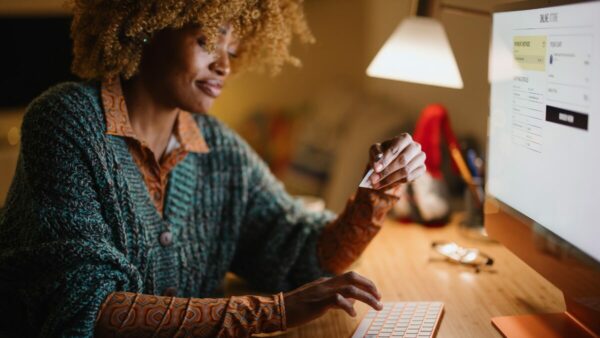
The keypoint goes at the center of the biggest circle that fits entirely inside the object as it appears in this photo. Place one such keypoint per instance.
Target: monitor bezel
(534, 4)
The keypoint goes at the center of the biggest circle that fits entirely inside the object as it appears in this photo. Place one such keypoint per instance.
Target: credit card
(366, 182)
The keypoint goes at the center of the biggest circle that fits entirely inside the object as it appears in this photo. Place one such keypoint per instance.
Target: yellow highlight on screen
(530, 52)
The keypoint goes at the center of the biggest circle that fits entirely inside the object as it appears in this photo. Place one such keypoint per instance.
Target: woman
(127, 209)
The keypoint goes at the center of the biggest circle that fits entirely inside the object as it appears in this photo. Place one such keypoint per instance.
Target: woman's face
(180, 73)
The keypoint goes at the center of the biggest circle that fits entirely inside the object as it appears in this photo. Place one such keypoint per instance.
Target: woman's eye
(232, 55)
(202, 42)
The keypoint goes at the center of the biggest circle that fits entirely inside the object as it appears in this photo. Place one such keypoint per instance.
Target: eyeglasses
(454, 253)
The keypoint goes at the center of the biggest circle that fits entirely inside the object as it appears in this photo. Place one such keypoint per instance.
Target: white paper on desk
(366, 181)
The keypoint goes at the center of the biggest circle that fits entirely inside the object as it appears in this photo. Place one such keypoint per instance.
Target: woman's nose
(221, 64)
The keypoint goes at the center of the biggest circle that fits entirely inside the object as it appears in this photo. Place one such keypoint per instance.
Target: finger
(362, 282)
(402, 160)
(416, 162)
(402, 173)
(351, 291)
(400, 177)
(342, 303)
(406, 171)
(417, 173)
(321, 280)
(392, 148)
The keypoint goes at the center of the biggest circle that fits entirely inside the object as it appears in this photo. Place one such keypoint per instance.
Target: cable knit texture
(79, 223)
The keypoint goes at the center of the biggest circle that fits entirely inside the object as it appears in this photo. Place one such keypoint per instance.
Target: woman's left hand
(395, 161)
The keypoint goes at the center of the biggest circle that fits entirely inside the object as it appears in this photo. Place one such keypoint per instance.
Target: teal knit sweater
(79, 223)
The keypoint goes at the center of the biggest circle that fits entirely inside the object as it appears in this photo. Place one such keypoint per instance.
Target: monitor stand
(550, 325)
(576, 275)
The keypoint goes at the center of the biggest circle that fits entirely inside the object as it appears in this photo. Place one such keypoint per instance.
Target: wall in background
(33, 7)
(10, 122)
(337, 57)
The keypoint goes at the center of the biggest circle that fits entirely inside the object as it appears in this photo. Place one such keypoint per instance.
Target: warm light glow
(13, 136)
(502, 64)
(418, 51)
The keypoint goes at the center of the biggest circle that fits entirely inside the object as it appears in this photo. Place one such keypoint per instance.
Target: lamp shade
(418, 51)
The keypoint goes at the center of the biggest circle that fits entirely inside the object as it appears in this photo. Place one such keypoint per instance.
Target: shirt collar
(117, 119)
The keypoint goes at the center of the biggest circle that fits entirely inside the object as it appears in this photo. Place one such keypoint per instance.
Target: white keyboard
(402, 319)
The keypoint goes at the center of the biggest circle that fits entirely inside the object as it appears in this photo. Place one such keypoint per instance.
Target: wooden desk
(398, 261)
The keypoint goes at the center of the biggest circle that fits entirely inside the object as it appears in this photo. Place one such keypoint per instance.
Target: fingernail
(379, 305)
(378, 167)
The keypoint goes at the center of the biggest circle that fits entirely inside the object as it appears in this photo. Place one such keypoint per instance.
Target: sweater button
(165, 238)
(170, 292)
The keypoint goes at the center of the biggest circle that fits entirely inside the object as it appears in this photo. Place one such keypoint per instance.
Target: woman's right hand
(312, 300)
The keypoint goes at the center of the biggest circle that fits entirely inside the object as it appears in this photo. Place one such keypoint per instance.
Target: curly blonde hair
(108, 35)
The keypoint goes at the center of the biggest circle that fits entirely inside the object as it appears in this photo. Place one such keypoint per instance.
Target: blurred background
(313, 124)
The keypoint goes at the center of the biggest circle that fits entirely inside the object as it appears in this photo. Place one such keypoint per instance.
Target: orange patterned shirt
(186, 138)
(126, 314)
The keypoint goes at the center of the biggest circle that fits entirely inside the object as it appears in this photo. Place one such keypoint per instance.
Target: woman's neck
(151, 120)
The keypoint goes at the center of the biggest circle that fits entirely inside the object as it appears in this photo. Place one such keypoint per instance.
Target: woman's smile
(210, 87)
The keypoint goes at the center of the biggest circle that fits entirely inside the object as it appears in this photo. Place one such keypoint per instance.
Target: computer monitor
(543, 182)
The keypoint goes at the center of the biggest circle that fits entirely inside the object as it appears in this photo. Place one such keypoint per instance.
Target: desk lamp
(418, 51)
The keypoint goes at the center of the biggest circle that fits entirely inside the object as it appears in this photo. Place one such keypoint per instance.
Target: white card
(366, 181)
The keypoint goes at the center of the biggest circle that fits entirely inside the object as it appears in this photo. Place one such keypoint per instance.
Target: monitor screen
(544, 125)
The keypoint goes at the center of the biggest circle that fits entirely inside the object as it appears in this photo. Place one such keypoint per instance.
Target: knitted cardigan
(79, 223)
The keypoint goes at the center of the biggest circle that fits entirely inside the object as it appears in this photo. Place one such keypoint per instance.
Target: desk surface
(398, 262)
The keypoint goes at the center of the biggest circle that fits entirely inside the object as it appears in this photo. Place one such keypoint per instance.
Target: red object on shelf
(432, 127)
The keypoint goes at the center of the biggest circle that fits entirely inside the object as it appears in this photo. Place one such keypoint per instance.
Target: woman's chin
(201, 106)
(205, 102)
